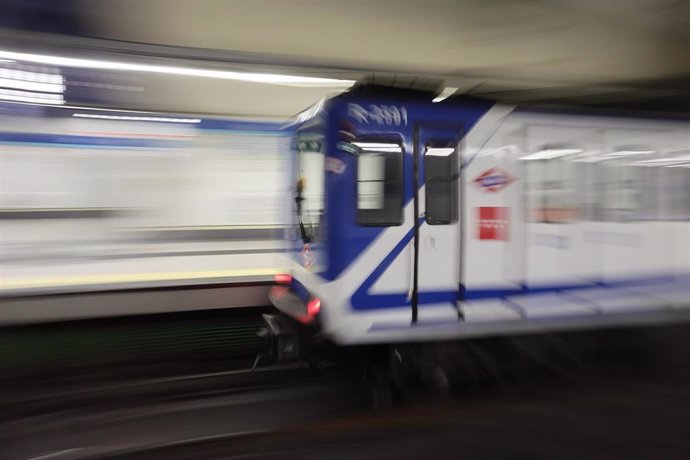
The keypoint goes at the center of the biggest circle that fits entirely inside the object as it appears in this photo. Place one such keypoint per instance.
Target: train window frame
(452, 178)
(389, 148)
(313, 231)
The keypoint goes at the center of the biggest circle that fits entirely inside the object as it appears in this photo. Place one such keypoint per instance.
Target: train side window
(620, 197)
(673, 180)
(550, 185)
(440, 166)
(379, 184)
(628, 186)
(677, 182)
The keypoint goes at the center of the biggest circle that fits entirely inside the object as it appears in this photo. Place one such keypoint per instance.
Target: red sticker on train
(493, 223)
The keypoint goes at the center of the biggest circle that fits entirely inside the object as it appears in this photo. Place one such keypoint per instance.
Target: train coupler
(283, 339)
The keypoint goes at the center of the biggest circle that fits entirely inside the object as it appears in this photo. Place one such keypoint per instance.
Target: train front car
(393, 214)
(418, 221)
(377, 197)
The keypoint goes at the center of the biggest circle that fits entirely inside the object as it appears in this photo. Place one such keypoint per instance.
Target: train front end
(296, 292)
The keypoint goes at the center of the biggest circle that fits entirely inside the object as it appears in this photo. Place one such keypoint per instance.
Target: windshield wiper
(306, 235)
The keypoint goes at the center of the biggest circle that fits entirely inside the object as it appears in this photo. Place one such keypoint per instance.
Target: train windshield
(310, 182)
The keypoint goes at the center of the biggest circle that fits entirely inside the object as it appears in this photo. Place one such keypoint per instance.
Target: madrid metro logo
(494, 180)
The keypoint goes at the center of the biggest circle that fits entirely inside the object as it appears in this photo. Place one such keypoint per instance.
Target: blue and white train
(417, 221)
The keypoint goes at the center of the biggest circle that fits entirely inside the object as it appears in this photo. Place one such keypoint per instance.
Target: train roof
(424, 97)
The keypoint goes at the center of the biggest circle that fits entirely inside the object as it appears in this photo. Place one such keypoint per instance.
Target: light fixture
(445, 94)
(664, 161)
(13, 95)
(625, 153)
(38, 77)
(277, 79)
(137, 118)
(102, 109)
(592, 159)
(439, 152)
(550, 154)
(31, 86)
(378, 147)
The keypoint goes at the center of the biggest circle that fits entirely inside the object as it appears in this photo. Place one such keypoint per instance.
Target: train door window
(379, 183)
(440, 166)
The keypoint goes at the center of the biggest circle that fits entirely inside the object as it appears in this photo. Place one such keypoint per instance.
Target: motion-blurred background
(143, 158)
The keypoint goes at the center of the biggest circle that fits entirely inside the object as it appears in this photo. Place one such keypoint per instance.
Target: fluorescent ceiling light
(439, 152)
(664, 161)
(131, 118)
(550, 154)
(31, 86)
(276, 79)
(592, 159)
(101, 109)
(624, 153)
(377, 147)
(27, 96)
(39, 77)
(446, 93)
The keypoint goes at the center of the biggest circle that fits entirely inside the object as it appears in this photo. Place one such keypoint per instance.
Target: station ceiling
(614, 50)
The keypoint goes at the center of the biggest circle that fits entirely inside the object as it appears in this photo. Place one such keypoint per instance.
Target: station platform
(79, 281)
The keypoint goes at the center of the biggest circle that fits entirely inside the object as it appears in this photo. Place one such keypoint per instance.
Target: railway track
(628, 411)
(595, 418)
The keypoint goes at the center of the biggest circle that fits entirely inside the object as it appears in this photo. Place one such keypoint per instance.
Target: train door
(437, 231)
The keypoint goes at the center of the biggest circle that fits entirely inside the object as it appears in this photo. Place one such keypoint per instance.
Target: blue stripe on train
(363, 301)
(491, 293)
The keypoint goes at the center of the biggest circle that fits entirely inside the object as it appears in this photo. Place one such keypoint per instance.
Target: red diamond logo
(494, 180)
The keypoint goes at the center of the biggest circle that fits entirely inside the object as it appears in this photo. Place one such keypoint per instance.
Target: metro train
(417, 221)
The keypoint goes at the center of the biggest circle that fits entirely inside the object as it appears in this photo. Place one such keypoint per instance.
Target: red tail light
(282, 278)
(313, 307)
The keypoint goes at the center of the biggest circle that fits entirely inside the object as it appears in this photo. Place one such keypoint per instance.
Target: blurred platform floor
(96, 267)
(71, 280)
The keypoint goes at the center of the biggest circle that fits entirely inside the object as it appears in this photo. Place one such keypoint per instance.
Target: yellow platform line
(65, 281)
(28, 210)
(206, 227)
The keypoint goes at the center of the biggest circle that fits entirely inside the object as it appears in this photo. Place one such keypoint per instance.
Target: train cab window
(379, 183)
(310, 187)
(440, 166)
